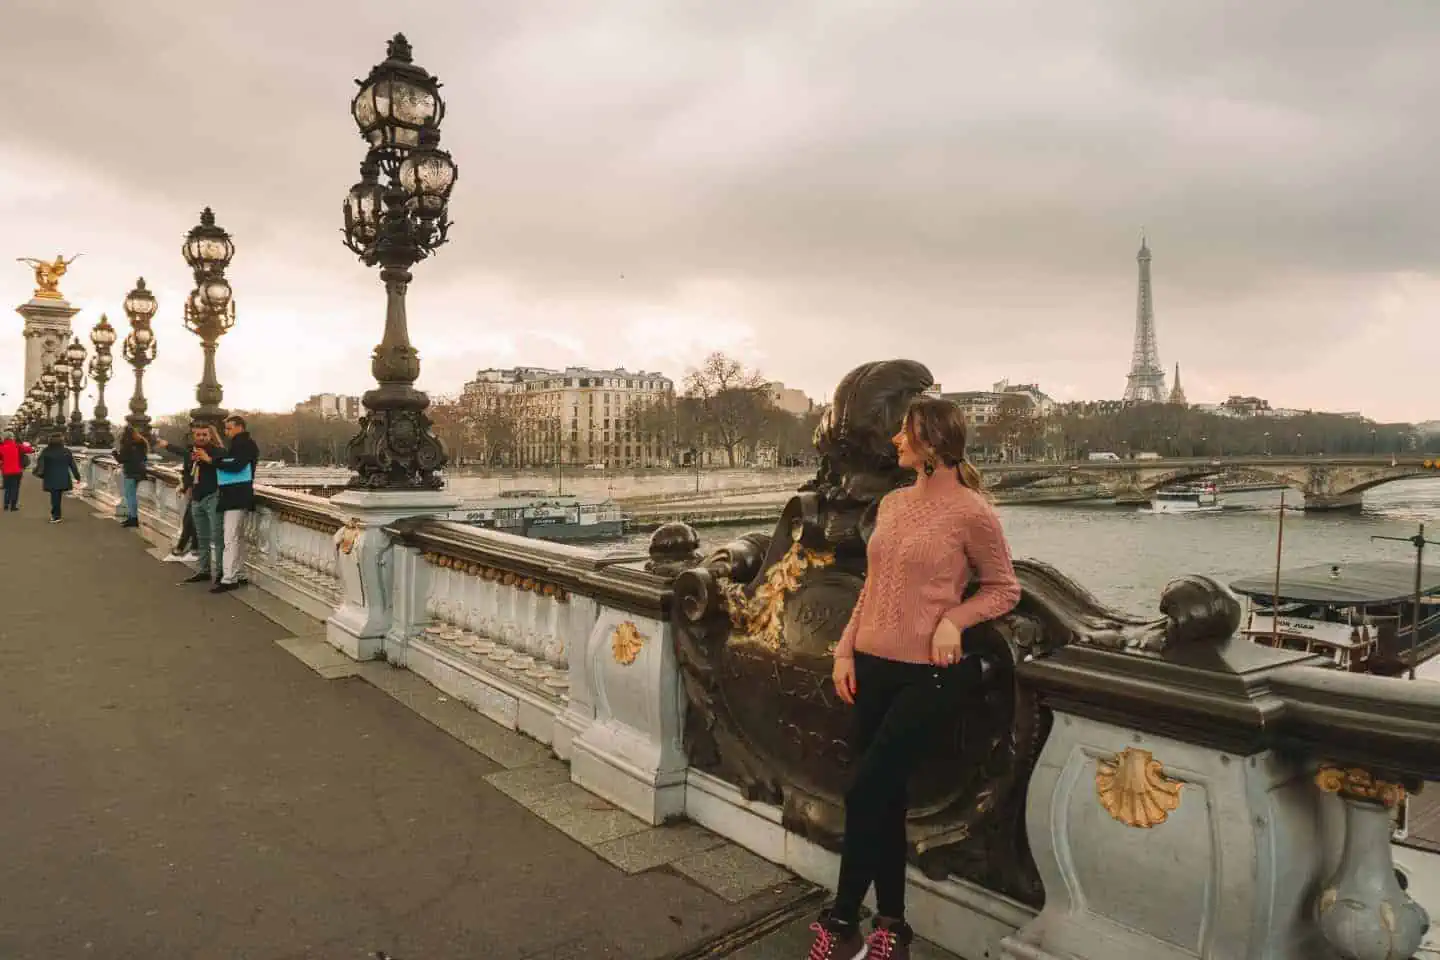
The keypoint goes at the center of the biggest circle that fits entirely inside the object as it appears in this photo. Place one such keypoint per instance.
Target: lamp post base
(209, 414)
(396, 450)
(76, 435)
(140, 422)
(101, 437)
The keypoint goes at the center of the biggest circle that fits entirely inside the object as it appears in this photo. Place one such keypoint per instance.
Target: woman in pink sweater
(900, 662)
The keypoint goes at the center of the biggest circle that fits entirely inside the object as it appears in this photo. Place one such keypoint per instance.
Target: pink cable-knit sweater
(928, 541)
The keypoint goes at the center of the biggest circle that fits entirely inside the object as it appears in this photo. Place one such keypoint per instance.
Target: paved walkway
(180, 782)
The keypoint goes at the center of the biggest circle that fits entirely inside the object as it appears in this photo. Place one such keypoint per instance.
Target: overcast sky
(805, 184)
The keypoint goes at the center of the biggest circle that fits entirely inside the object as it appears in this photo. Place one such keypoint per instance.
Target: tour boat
(545, 516)
(1362, 617)
(1186, 498)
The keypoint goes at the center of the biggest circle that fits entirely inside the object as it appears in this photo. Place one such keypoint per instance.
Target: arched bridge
(1329, 483)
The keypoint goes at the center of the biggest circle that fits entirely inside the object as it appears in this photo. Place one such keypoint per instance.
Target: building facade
(535, 416)
(332, 406)
(982, 406)
(789, 399)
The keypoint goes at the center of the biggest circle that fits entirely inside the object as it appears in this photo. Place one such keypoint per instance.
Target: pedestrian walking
(235, 477)
(186, 548)
(133, 455)
(900, 663)
(57, 472)
(14, 458)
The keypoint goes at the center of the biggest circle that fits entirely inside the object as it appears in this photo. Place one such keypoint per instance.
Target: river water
(1125, 556)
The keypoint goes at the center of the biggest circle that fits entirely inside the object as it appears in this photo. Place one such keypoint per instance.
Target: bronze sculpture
(757, 619)
(48, 274)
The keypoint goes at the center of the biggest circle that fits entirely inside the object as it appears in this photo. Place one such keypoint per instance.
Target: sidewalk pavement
(203, 776)
(179, 783)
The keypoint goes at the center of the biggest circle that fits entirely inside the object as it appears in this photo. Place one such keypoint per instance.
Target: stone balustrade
(1180, 793)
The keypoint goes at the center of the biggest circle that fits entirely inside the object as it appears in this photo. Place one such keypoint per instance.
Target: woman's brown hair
(939, 426)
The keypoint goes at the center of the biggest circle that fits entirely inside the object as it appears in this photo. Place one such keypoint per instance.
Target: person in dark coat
(55, 467)
(14, 458)
(235, 477)
(134, 458)
(186, 548)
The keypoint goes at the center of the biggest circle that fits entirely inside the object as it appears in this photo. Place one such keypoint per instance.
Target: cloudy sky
(805, 184)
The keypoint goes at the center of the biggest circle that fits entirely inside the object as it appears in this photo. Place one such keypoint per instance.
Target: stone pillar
(1163, 824)
(358, 626)
(47, 333)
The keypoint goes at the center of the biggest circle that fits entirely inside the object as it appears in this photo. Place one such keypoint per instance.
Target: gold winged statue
(48, 274)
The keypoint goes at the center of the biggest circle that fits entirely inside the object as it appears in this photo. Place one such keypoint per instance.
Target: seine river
(1126, 556)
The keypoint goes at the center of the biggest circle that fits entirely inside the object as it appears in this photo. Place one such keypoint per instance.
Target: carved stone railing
(291, 536)
(1203, 796)
(1122, 787)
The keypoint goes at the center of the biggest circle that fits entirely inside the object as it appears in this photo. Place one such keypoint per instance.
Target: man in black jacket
(203, 499)
(235, 476)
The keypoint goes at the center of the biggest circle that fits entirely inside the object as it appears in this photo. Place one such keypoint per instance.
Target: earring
(929, 468)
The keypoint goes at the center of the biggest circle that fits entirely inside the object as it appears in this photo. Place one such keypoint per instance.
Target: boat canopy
(1344, 584)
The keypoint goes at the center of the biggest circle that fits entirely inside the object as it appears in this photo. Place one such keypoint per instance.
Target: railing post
(358, 627)
(1162, 823)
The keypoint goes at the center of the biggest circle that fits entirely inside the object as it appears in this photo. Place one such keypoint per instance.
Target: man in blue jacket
(235, 475)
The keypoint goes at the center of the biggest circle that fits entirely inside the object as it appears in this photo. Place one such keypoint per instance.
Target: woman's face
(909, 452)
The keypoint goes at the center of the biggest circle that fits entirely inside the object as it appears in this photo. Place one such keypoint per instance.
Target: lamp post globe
(394, 217)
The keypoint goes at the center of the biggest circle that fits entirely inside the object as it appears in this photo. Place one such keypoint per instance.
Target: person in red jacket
(14, 457)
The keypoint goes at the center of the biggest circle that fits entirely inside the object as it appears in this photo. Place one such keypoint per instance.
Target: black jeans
(55, 497)
(187, 530)
(12, 490)
(898, 709)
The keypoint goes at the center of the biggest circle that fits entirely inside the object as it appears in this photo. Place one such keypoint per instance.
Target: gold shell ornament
(1134, 790)
(625, 643)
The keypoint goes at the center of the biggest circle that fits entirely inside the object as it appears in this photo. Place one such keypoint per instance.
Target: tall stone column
(47, 333)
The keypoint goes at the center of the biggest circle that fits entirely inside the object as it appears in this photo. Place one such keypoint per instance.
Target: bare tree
(732, 403)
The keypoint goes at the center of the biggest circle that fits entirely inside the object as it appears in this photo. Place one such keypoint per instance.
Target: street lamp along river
(396, 216)
(139, 350)
(75, 354)
(103, 337)
(210, 308)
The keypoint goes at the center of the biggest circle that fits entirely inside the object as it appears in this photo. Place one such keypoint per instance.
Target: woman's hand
(945, 644)
(844, 676)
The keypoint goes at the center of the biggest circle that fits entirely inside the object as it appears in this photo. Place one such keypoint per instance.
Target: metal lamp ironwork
(394, 217)
(139, 350)
(103, 337)
(75, 356)
(210, 308)
(60, 369)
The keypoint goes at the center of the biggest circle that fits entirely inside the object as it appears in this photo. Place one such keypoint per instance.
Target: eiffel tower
(1146, 382)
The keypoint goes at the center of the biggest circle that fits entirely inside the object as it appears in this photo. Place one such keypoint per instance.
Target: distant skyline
(805, 186)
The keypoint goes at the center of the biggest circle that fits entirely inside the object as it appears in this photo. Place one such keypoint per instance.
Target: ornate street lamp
(47, 397)
(60, 368)
(75, 354)
(210, 309)
(139, 350)
(394, 218)
(103, 337)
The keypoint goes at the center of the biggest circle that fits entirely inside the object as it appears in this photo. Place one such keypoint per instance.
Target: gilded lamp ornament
(1134, 790)
(394, 217)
